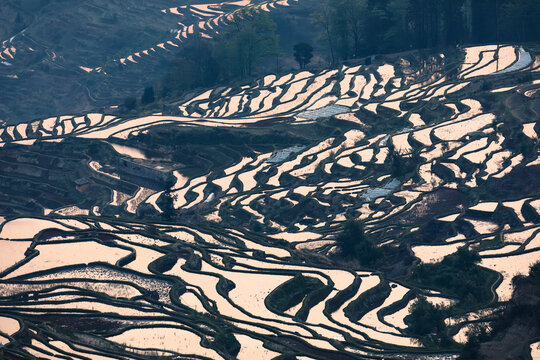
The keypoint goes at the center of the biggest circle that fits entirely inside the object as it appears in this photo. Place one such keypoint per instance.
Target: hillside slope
(61, 56)
(219, 222)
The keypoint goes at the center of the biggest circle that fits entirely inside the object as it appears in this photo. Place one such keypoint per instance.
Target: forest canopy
(358, 28)
(343, 30)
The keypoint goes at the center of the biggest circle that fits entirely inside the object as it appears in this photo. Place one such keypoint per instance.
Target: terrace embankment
(240, 244)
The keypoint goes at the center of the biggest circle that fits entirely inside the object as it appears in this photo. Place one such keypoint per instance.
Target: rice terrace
(176, 183)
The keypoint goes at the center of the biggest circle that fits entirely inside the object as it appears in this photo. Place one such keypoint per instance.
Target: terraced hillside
(80, 55)
(216, 230)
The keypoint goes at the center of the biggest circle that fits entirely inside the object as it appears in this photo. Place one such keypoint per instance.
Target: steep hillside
(307, 215)
(70, 56)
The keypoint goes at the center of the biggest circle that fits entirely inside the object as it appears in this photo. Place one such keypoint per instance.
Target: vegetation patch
(457, 275)
(292, 292)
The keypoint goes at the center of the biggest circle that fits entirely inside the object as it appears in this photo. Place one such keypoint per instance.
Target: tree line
(358, 28)
(347, 29)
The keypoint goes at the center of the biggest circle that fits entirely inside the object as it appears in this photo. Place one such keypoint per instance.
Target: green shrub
(458, 275)
(354, 243)
(426, 319)
(534, 273)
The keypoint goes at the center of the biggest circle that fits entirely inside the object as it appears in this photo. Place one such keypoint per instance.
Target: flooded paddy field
(219, 232)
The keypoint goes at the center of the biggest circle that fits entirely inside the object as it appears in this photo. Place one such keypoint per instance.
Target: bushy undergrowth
(426, 321)
(354, 244)
(458, 275)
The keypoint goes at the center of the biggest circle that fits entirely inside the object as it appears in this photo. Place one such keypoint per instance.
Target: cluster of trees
(248, 43)
(523, 311)
(348, 29)
(402, 165)
(458, 275)
(241, 47)
(303, 53)
(358, 28)
(426, 322)
(355, 244)
(148, 97)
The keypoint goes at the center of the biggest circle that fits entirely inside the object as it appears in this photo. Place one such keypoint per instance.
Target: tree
(167, 205)
(303, 53)
(520, 19)
(398, 35)
(354, 243)
(343, 27)
(355, 28)
(130, 103)
(323, 17)
(349, 22)
(250, 38)
(19, 23)
(457, 275)
(427, 319)
(534, 273)
(195, 67)
(453, 18)
(148, 96)
(353, 232)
